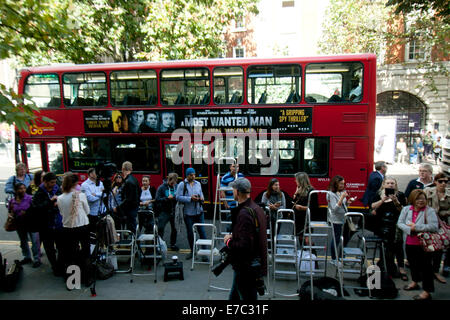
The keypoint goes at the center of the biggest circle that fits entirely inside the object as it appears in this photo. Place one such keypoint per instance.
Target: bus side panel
(349, 158)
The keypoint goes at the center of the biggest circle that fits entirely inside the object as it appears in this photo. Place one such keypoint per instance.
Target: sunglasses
(442, 181)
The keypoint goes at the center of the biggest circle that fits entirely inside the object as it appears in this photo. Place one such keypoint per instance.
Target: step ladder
(198, 250)
(124, 249)
(316, 231)
(352, 256)
(270, 255)
(147, 245)
(285, 263)
(219, 211)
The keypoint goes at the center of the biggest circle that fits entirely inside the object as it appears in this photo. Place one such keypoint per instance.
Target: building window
(416, 50)
(238, 52)
(240, 23)
(286, 4)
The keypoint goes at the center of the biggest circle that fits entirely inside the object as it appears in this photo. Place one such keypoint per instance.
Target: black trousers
(243, 287)
(420, 263)
(54, 248)
(163, 218)
(93, 223)
(437, 258)
(76, 247)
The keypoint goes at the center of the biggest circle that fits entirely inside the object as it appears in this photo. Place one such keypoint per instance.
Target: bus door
(45, 155)
(199, 159)
(349, 158)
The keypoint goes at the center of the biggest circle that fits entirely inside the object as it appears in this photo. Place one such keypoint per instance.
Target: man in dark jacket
(247, 242)
(130, 197)
(374, 183)
(425, 179)
(49, 221)
(165, 207)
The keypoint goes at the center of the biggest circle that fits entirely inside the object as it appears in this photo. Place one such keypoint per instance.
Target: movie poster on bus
(234, 120)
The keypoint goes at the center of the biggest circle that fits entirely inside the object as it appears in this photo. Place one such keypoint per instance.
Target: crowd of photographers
(61, 217)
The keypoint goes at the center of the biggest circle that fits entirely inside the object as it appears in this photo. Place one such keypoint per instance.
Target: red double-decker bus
(323, 109)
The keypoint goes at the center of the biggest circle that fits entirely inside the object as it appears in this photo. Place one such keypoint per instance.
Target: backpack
(325, 288)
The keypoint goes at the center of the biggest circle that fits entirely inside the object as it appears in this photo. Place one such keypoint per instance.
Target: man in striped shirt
(225, 182)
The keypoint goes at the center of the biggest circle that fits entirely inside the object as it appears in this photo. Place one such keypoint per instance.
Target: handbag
(435, 241)
(10, 224)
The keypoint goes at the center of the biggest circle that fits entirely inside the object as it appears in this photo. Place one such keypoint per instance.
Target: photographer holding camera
(247, 244)
(387, 205)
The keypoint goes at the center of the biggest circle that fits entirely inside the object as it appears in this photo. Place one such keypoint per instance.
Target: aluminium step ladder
(350, 256)
(224, 225)
(203, 247)
(316, 231)
(270, 255)
(285, 262)
(147, 245)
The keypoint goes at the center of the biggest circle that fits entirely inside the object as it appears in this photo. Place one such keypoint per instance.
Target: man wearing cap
(247, 242)
(190, 193)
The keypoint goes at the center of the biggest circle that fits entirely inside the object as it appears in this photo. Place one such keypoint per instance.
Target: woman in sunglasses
(439, 199)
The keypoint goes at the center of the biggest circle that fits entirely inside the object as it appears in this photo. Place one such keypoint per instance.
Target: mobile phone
(389, 191)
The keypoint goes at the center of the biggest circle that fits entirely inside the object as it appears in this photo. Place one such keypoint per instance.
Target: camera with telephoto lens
(225, 260)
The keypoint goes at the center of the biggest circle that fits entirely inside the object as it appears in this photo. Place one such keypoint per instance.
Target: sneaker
(336, 263)
(174, 248)
(25, 261)
(37, 264)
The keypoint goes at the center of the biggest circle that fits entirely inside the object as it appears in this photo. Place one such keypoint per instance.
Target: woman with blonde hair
(386, 207)
(300, 203)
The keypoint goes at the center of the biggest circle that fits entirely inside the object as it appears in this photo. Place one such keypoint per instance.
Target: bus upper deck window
(185, 87)
(340, 82)
(85, 89)
(274, 84)
(133, 88)
(44, 90)
(228, 85)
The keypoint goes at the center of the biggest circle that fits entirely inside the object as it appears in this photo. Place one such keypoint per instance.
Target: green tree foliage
(353, 27)
(441, 8)
(89, 31)
(378, 26)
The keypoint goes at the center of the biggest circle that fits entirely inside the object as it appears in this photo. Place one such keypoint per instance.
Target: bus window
(229, 148)
(134, 87)
(228, 85)
(333, 82)
(44, 90)
(85, 153)
(274, 84)
(85, 89)
(185, 87)
(315, 156)
(143, 153)
(55, 157)
(262, 162)
(34, 158)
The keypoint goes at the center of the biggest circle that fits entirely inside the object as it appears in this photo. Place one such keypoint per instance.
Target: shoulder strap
(184, 188)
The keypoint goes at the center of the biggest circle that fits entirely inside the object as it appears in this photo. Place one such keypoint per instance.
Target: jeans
(35, 244)
(189, 221)
(420, 263)
(131, 220)
(337, 239)
(163, 218)
(244, 287)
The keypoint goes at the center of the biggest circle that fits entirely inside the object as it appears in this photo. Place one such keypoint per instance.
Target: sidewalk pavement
(41, 284)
